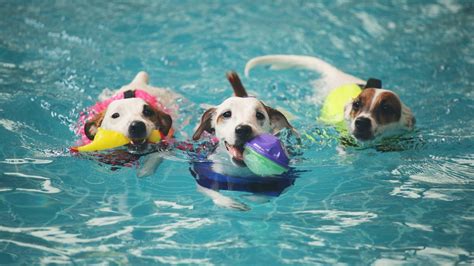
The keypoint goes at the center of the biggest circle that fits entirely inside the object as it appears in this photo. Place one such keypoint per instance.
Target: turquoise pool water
(365, 207)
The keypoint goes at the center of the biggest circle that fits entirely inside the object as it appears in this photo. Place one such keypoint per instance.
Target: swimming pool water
(363, 207)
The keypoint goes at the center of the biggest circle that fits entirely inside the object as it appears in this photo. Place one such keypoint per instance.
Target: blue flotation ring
(270, 186)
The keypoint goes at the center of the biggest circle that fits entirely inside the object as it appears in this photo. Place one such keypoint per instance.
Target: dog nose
(243, 132)
(363, 123)
(137, 130)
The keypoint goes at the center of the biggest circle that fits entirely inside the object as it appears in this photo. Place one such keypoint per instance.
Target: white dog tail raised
(141, 77)
(330, 75)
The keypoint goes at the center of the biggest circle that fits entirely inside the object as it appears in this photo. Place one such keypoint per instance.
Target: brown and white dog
(134, 110)
(237, 120)
(234, 122)
(373, 114)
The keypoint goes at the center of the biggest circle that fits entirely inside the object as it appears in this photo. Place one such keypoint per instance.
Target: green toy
(265, 155)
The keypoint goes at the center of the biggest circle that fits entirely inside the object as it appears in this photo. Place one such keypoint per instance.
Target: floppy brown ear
(239, 90)
(164, 122)
(91, 126)
(206, 124)
(278, 120)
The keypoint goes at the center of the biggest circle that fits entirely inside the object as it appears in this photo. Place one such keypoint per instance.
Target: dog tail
(141, 77)
(315, 64)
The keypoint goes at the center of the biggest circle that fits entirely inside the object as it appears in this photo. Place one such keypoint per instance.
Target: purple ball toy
(264, 155)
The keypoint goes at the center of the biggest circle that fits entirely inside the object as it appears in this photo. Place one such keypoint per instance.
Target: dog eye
(147, 111)
(260, 116)
(386, 108)
(356, 105)
(115, 115)
(227, 114)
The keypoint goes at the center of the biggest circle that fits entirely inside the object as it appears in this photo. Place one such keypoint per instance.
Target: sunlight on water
(405, 200)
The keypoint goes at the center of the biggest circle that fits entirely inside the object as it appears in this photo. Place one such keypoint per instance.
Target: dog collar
(102, 106)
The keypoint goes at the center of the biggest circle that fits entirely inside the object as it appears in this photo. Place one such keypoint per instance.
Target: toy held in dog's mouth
(265, 155)
(109, 139)
(333, 107)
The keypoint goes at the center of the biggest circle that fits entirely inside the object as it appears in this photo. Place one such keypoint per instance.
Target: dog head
(238, 119)
(377, 112)
(131, 116)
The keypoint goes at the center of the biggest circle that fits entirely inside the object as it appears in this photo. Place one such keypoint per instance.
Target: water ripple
(107, 220)
(339, 219)
(15, 161)
(46, 186)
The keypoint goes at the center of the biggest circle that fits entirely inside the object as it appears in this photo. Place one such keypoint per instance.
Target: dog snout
(363, 129)
(363, 124)
(137, 130)
(243, 132)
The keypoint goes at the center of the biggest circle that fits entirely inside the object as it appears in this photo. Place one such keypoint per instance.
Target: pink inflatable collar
(102, 106)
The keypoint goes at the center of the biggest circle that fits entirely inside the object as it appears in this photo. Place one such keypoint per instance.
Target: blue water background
(362, 207)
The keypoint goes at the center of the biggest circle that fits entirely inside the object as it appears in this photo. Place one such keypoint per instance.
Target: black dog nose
(243, 132)
(363, 123)
(137, 130)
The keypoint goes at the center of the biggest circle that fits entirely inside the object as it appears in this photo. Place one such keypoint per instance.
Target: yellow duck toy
(109, 139)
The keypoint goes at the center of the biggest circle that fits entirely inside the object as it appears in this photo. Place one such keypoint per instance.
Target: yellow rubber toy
(155, 136)
(333, 107)
(109, 139)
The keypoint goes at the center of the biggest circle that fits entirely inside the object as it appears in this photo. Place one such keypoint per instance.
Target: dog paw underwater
(127, 124)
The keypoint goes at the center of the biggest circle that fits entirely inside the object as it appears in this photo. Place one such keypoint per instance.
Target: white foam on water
(340, 219)
(107, 220)
(15, 161)
(46, 186)
(173, 260)
(10, 125)
(313, 238)
(58, 235)
(421, 227)
(173, 205)
(35, 246)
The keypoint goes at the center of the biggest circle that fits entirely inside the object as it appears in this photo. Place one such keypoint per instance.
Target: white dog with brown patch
(371, 113)
(134, 110)
(234, 122)
(237, 120)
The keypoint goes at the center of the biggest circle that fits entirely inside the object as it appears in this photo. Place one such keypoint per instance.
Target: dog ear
(206, 124)
(91, 127)
(164, 122)
(239, 90)
(278, 120)
(373, 83)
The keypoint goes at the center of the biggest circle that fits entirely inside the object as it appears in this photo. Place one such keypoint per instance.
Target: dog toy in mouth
(334, 104)
(264, 155)
(109, 139)
(333, 107)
